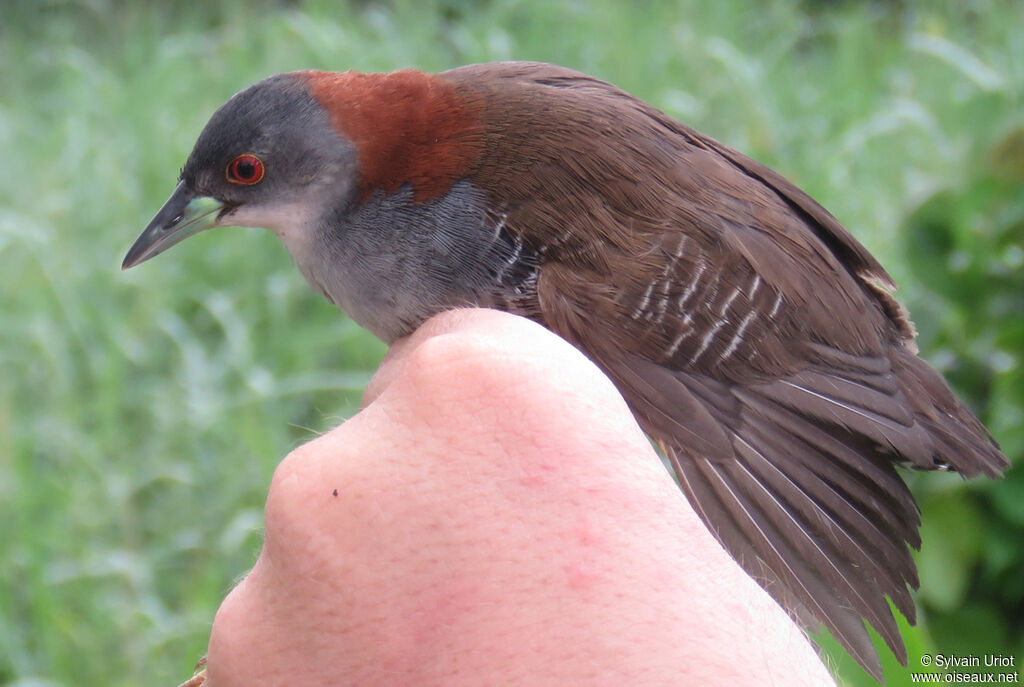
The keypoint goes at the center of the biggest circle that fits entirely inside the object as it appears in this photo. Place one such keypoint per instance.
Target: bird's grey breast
(392, 262)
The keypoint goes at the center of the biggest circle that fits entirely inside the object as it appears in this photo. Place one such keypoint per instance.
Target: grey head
(267, 158)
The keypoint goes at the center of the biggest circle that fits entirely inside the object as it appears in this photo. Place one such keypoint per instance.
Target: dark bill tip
(183, 215)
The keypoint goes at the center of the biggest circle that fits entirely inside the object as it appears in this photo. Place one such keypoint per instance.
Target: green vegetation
(142, 413)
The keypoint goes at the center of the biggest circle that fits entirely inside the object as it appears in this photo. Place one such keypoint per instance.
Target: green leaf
(974, 629)
(1007, 157)
(950, 548)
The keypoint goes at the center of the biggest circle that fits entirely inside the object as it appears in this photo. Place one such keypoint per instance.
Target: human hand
(493, 516)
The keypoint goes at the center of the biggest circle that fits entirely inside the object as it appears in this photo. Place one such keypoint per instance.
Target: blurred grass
(142, 413)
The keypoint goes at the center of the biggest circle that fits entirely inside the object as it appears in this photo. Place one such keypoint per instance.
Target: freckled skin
(754, 339)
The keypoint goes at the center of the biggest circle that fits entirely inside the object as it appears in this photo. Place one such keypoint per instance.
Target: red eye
(246, 170)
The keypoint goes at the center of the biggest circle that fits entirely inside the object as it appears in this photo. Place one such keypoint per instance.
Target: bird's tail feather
(961, 443)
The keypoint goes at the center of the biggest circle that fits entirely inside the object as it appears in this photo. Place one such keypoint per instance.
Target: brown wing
(788, 470)
(752, 336)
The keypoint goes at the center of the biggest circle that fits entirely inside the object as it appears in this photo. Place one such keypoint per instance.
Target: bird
(755, 340)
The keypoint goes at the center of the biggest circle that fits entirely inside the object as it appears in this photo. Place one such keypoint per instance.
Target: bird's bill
(183, 215)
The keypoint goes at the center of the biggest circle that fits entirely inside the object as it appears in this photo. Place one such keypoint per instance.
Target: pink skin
(493, 516)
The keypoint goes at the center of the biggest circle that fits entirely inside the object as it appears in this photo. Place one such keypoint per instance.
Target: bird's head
(294, 148)
(268, 158)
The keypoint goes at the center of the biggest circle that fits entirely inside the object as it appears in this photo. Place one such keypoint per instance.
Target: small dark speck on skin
(335, 492)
